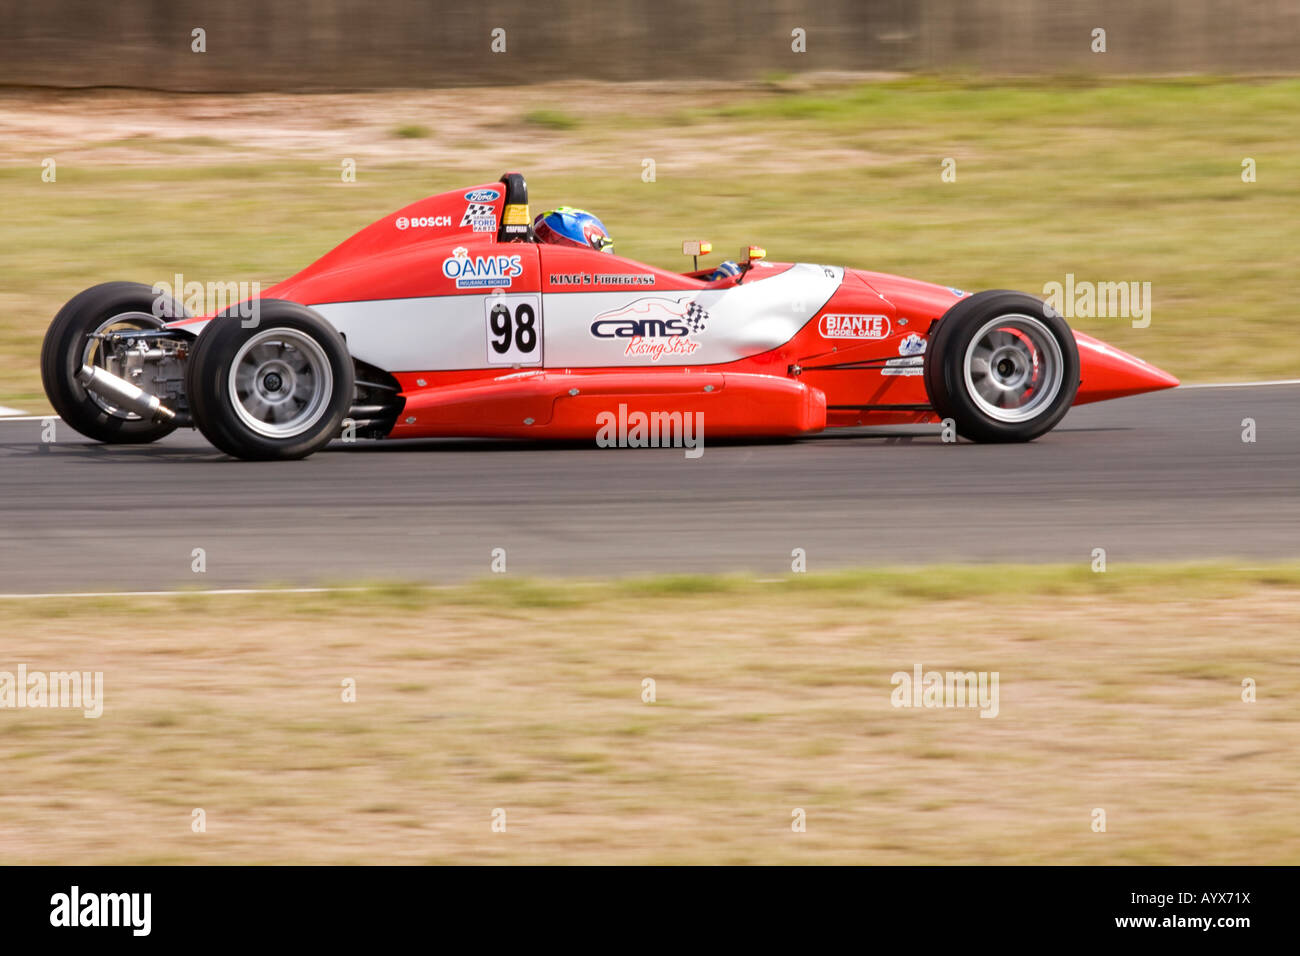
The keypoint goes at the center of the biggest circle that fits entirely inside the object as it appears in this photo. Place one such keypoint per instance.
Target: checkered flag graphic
(477, 210)
(695, 318)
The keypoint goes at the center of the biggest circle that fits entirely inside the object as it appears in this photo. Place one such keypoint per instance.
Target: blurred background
(1161, 150)
(1112, 141)
(358, 44)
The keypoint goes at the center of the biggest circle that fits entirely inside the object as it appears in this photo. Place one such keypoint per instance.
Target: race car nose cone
(1107, 372)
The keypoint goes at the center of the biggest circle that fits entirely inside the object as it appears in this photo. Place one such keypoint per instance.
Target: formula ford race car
(449, 318)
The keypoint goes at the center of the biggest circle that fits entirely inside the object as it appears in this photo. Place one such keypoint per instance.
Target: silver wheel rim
(280, 383)
(93, 354)
(1013, 368)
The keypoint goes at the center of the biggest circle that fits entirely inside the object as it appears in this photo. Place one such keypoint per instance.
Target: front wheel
(276, 389)
(1002, 366)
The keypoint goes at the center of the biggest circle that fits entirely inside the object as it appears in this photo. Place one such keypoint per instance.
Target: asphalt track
(1163, 476)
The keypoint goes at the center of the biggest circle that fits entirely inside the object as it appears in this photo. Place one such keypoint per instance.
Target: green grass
(1108, 180)
(863, 588)
(550, 119)
(413, 132)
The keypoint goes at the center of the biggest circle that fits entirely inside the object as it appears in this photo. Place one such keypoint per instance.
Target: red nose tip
(1107, 372)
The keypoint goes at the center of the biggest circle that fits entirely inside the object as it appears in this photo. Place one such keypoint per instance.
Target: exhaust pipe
(123, 394)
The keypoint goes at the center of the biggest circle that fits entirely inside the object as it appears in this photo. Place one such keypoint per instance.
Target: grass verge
(1120, 691)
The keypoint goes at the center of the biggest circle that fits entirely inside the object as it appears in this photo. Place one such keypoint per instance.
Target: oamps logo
(481, 272)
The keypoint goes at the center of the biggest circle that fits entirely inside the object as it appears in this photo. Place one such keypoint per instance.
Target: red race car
(452, 317)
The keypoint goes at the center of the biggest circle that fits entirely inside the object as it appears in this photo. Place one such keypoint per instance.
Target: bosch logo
(423, 222)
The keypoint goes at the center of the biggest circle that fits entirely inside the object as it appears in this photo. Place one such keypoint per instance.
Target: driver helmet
(566, 226)
(723, 271)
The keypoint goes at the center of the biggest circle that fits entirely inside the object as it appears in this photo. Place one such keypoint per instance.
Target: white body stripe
(449, 332)
(414, 335)
(740, 321)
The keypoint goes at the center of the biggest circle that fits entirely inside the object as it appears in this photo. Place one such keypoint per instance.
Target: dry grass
(1120, 691)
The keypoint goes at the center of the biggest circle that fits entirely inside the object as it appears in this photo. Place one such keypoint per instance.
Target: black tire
(1033, 328)
(217, 409)
(65, 346)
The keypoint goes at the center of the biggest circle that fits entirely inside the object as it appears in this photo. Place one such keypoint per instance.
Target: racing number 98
(513, 331)
(524, 325)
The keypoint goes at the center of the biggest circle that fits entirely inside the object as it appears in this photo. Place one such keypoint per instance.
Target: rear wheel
(72, 341)
(1002, 366)
(279, 389)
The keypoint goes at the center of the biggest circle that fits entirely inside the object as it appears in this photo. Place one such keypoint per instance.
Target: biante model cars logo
(836, 326)
(481, 272)
(653, 326)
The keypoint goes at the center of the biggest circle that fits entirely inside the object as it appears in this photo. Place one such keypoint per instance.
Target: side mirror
(696, 248)
(750, 254)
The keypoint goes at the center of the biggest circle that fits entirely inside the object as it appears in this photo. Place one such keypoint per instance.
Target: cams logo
(653, 326)
(481, 272)
(854, 326)
(422, 222)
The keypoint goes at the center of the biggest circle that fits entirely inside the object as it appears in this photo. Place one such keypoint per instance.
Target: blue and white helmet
(724, 269)
(566, 226)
